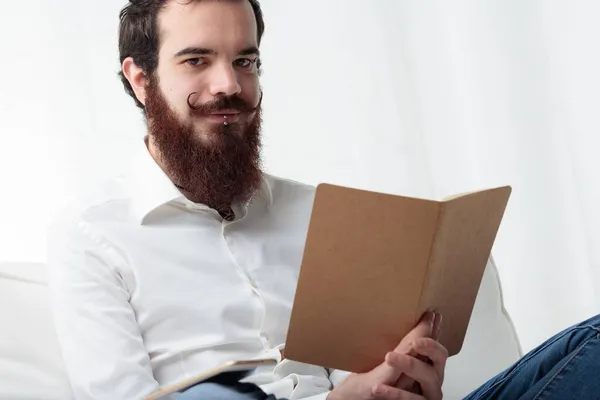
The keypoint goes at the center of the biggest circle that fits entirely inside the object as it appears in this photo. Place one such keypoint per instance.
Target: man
(191, 260)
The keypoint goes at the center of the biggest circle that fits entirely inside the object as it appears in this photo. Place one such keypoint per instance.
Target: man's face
(209, 49)
(203, 102)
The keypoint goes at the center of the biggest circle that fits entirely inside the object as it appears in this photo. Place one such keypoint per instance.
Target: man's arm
(99, 337)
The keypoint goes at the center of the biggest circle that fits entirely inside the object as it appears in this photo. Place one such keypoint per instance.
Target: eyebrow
(202, 51)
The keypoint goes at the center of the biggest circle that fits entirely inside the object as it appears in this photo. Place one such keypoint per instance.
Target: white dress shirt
(150, 289)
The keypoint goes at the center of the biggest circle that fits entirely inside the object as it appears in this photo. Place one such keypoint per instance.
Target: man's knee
(592, 323)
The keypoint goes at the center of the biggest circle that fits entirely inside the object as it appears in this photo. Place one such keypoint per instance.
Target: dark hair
(139, 36)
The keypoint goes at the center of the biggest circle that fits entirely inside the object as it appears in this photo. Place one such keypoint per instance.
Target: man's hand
(413, 371)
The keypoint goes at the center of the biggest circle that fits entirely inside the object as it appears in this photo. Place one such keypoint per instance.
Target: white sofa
(31, 366)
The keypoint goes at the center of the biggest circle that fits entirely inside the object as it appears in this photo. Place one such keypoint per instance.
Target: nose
(224, 82)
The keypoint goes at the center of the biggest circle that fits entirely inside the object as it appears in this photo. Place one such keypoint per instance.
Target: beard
(218, 172)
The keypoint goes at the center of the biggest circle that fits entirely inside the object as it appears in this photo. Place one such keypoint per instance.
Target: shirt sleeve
(311, 382)
(100, 340)
(336, 377)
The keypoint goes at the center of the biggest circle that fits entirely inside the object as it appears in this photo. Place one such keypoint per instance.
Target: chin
(208, 137)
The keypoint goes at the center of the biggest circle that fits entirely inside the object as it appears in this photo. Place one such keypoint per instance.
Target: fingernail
(437, 328)
(432, 319)
(429, 316)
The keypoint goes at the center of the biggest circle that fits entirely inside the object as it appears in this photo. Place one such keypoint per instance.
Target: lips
(225, 112)
(224, 116)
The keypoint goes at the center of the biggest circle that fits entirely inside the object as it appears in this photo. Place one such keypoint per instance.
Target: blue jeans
(565, 367)
(218, 391)
(226, 386)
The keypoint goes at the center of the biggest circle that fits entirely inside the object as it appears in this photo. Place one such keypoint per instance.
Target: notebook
(374, 263)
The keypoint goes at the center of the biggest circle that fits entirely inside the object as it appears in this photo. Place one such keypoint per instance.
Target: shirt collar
(149, 185)
(151, 188)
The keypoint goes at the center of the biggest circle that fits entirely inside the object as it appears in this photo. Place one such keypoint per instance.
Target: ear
(136, 77)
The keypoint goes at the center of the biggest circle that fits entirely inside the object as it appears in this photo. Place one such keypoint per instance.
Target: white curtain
(414, 97)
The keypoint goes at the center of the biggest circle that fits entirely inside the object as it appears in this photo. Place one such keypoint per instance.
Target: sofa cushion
(491, 344)
(30, 362)
(31, 366)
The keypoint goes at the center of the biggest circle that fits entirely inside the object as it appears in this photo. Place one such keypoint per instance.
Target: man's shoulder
(108, 202)
(285, 187)
(291, 202)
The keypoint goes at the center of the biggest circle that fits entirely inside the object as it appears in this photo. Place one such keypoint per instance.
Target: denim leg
(213, 391)
(219, 391)
(565, 367)
(225, 386)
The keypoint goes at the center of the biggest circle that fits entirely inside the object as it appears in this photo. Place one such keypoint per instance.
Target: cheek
(176, 97)
(250, 89)
(175, 88)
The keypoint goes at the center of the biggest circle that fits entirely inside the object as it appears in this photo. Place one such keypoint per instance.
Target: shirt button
(253, 283)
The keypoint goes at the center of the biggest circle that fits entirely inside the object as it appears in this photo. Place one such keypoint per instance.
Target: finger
(423, 329)
(435, 352)
(385, 392)
(405, 382)
(389, 375)
(437, 326)
(421, 372)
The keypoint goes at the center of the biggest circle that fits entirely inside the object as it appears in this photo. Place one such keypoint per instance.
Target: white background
(414, 97)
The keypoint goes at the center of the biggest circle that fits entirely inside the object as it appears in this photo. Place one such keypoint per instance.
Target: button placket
(264, 336)
(245, 275)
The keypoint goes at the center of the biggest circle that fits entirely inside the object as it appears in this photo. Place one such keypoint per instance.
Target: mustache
(223, 103)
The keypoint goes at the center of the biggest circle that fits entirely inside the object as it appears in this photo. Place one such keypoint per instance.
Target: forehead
(221, 25)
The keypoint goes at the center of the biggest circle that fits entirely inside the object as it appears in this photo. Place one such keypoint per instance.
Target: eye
(194, 62)
(246, 63)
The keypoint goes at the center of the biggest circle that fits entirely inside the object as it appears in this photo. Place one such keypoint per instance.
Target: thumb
(424, 329)
(384, 372)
